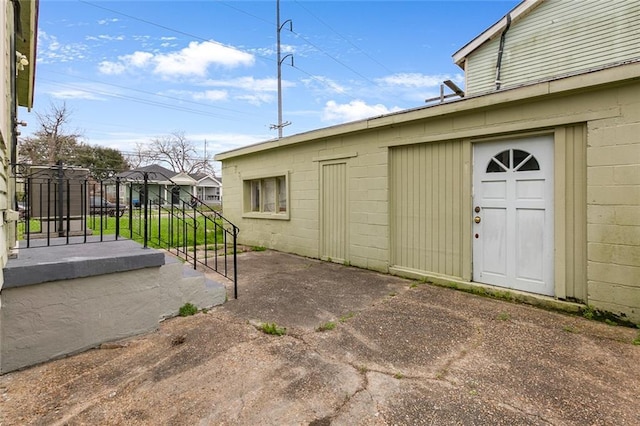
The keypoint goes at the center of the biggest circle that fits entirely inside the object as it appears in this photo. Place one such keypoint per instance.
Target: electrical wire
(248, 14)
(150, 93)
(343, 37)
(141, 101)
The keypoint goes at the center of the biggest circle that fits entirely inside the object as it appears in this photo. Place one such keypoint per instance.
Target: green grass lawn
(161, 232)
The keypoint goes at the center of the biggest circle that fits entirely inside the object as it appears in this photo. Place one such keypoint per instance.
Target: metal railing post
(117, 207)
(146, 208)
(60, 199)
(235, 262)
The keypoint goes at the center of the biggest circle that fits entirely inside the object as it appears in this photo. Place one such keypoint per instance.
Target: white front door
(513, 214)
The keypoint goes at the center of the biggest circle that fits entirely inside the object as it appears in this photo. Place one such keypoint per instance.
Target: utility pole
(280, 59)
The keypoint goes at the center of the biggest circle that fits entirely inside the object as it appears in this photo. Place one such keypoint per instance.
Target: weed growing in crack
(346, 317)
(399, 376)
(329, 325)
(273, 329)
(569, 329)
(187, 309)
(588, 312)
(504, 316)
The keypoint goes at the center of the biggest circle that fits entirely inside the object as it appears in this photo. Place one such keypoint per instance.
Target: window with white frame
(266, 197)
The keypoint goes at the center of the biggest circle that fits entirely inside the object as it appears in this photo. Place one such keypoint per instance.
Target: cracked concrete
(400, 354)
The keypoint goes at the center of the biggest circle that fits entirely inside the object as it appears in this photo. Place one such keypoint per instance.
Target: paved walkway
(401, 353)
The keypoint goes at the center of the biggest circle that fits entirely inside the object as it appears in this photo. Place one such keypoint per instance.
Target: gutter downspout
(501, 50)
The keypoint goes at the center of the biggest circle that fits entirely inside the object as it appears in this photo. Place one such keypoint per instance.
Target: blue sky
(133, 70)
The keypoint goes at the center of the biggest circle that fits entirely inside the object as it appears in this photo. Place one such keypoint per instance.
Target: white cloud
(107, 21)
(325, 83)
(75, 94)
(211, 95)
(193, 60)
(111, 68)
(418, 81)
(414, 80)
(138, 59)
(50, 50)
(110, 38)
(250, 84)
(285, 49)
(197, 57)
(354, 110)
(256, 99)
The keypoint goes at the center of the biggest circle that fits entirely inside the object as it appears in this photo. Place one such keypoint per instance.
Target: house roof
(515, 14)
(156, 170)
(183, 178)
(204, 177)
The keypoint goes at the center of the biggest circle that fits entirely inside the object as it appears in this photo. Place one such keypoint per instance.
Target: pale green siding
(428, 207)
(558, 37)
(571, 212)
(334, 224)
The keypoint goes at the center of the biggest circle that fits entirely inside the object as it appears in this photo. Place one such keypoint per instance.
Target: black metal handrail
(64, 205)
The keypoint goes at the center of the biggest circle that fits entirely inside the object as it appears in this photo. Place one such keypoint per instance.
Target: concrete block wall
(613, 209)
(367, 198)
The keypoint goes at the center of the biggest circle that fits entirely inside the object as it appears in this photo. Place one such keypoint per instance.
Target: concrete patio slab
(401, 353)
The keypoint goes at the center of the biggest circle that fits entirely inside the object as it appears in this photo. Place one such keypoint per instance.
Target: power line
(221, 44)
(141, 101)
(342, 37)
(149, 93)
(335, 59)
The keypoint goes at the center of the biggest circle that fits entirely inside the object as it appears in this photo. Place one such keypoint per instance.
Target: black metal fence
(67, 205)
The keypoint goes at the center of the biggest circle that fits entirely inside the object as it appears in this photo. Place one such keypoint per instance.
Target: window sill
(273, 216)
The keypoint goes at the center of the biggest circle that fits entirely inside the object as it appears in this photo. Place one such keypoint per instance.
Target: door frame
(322, 245)
(549, 150)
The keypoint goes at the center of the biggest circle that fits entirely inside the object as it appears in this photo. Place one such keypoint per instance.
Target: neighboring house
(209, 188)
(166, 186)
(530, 183)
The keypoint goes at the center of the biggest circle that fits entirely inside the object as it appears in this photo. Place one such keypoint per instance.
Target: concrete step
(189, 286)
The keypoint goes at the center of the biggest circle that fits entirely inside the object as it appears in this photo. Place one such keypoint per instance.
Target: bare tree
(139, 156)
(176, 151)
(51, 142)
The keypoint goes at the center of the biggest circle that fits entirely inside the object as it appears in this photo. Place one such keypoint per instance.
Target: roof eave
(26, 43)
(516, 13)
(556, 86)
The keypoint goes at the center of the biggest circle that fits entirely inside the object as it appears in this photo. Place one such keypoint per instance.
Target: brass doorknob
(476, 219)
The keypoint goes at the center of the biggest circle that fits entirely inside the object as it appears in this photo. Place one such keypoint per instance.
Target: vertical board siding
(334, 211)
(557, 38)
(571, 213)
(427, 208)
(576, 212)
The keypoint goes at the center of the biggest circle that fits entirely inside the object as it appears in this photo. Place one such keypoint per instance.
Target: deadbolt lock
(477, 209)
(477, 219)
